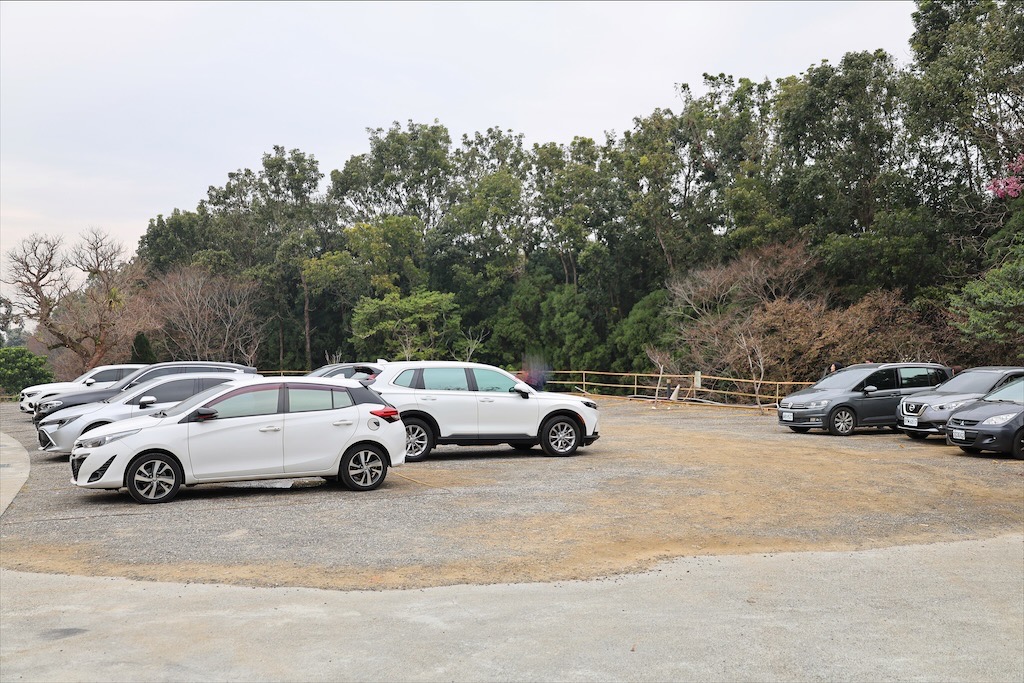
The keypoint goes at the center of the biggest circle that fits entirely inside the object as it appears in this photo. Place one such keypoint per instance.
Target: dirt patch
(658, 484)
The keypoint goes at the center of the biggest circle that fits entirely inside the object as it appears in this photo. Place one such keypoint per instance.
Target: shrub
(20, 368)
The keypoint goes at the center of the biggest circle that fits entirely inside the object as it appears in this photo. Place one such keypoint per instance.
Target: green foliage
(993, 306)
(142, 350)
(20, 368)
(420, 326)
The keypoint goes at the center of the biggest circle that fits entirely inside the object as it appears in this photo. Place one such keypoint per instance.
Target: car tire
(917, 435)
(419, 439)
(970, 449)
(560, 436)
(153, 478)
(363, 468)
(841, 422)
(522, 446)
(1018, 445)
(801, 430)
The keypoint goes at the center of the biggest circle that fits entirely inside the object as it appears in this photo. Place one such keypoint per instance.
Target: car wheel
(841, 422)
(560, 436)
(801, 430)
(970, 449)
(363, 468)
(1018, 445)
(916, 435)
(522, 445)
(153, 478)
(419, 439)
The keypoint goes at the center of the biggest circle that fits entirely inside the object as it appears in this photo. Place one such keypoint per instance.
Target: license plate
(787, 417)
(910, 421)
(959, 434)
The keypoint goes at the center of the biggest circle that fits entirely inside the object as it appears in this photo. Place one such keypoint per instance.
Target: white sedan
(272, 428)
(59, 430)
(97, 378)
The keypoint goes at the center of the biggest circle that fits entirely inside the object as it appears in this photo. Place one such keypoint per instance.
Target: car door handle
(270, 428)
(429, 398)
(487, 400)
(342, 423)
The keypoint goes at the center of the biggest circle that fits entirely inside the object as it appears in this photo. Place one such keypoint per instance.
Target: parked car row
(980, 409)
(184, 423)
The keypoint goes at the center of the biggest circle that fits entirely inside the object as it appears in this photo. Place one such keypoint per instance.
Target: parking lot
(709, 544)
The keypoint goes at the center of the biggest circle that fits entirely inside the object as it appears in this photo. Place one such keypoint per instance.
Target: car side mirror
(89, 382)
(870, 388)
(147, 401)
(204, 414)
(523, 389)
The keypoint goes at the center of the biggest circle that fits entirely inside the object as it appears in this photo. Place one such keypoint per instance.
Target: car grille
(792, 404)
(914, 408)
(958, 422)
(44, 439)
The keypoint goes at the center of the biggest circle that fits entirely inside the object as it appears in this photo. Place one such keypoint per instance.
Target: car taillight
(388, 414)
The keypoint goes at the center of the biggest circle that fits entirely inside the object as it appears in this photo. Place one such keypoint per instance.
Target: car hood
(812, 394)
(935, 397)
(143, 422)
(981, 410)
(55, 387)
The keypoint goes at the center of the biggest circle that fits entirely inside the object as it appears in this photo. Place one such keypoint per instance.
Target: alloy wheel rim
(844, 421)
(154, 479)
(365, 468)
(562, 437)
(415, 441)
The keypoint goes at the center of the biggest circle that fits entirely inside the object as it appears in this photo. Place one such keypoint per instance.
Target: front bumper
(98, 468)
(802, 417)
(587, 440)
(998, 438)
(52, 440)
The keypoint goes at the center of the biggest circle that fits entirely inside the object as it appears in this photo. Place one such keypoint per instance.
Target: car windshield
(81, 378)
(970, 383)
(843, 379)
(125, 381)
(320, 372)
(1011, 393)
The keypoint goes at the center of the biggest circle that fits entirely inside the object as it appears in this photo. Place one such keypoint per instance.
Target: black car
(994, 423)
(61, 401)
(856, 396)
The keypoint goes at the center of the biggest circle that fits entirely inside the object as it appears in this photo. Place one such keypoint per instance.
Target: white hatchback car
(471, 404)
(97, 378)
(271, 428)
(59, 430)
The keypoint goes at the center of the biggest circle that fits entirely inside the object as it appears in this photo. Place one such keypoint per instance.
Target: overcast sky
(112, 113)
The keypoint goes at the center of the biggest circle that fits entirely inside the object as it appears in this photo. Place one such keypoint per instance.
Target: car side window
(342, 399)
(207, 382)
(911, 378)
(406, 378)
(153, 374)
(171, 392)
(107, 376)
(445, 379)
(489, 380)
(246, 402)
(880, 379)
(306, 399)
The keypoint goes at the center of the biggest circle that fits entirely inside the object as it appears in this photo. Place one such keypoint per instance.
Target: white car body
(472, 404)
(240, 433)
(97, 378)
(59, 430)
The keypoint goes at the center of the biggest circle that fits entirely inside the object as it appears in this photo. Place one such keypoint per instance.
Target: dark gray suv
(864, 395)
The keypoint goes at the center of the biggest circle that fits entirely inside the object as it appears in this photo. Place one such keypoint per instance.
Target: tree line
(856, 210)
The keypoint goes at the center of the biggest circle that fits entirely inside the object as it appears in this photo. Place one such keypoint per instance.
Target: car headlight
(29, 394)
(951, 406)
(50, 406)
(590, 404)
(1000, 419)
(819, 404)
(97, 441)
(61, 422)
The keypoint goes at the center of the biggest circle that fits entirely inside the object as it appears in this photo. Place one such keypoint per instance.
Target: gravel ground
(662, 482)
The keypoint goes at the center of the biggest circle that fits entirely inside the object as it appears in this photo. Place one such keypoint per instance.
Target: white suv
(469, 404)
